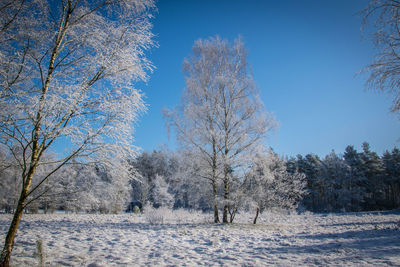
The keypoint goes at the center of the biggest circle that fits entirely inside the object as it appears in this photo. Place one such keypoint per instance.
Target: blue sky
(304, 56)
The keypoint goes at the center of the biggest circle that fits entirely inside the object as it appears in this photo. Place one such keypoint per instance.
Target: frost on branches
(67, 70)
(269, 185)
(221, 117)
(382, 19)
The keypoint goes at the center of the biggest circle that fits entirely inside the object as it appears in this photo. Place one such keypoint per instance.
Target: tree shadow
(366, 244)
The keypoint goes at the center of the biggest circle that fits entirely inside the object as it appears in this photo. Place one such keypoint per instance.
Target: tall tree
(221, 115)
(190, 189)
(67, 69)
(356, 180)
(195, 119)
(311, 166)
(335, 175)
(373, 170)
(391, 163)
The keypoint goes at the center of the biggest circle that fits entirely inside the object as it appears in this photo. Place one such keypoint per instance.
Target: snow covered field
(183, 239)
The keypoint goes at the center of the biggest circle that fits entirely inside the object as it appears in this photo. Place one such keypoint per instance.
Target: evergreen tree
(311, 165)
(391, 163)
(356, 179)
(373, 170)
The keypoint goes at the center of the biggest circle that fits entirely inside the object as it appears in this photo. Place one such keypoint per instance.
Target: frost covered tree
(221, 115)
(162, 198)
(268, 184)
(311, 165)
(141, 188)
(337, 192)
(382, 17)
(171, 179)
(108, 192)
(9, 183)
(353, 181)
(356, 179)
(67, 69)
(68, 187)
(194, 120)
(240, 116)
(190, 190)
(155, 169)
(78, 187)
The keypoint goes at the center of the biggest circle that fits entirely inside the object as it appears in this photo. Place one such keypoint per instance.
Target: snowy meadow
(182, 238)
(73, 82)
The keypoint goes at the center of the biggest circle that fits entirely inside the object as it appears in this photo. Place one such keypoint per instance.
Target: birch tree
(242, 122)
(194, 120)
(67, 70)
(221, 115)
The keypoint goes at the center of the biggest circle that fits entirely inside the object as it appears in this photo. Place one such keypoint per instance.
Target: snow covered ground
(183, 239)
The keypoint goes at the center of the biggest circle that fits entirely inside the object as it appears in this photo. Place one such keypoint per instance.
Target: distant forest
(352, 181)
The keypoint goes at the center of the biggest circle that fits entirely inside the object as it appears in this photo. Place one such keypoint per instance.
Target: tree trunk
(233, 214)
(395, 199)
(225, 215)
(216, 215)
(226, 197)
(257, 213)
(45, 208)
(12, 230)
(214, 179)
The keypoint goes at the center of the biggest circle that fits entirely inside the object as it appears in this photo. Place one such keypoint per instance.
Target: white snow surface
(181, 238)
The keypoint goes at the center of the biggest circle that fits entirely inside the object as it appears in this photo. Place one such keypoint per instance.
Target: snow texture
(188, 239)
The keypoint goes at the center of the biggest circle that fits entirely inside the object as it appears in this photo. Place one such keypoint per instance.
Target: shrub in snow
(166, 215)
(155, 216)
(270, 186)
(161, 196)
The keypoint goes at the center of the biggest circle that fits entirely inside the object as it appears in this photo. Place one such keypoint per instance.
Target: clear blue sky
(304, 56)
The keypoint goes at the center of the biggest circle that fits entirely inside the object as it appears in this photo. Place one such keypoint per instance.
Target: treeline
(177, 180)
(354, 181)
(74, 188)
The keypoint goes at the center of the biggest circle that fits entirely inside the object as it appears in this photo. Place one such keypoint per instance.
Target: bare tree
(382, 17)
(221, 115)
(241, 119)
(67, 69)
(195, 119)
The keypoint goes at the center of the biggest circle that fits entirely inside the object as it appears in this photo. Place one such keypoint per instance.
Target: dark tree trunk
(232, 214)
(216, 215)
(226, 197)
(214, 180)
(257, 213)
(45, 208)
